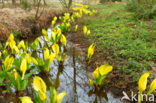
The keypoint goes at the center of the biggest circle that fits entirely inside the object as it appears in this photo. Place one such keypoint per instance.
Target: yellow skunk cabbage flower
(75, 8)
(55, 18)
(52, 56)
(55, 48)
(152, 87)
(100, 74)
(46, 38)
(21, 44)
(85, 30)
(62, 24)
(88, 32)
(34, 60)
(42, 96)
(57, 98)
(40, 87)
(53, 23)
(26, 99)
(58, 32)
(36, 41)
(15, 75)
(72, 18)
(10, 42)
(94, 11)
(23, 67)
(28, 58)
(105, 69)
(91, 82)
(48, 56)
(76, 27)
(90, 51)
(46, 53)
(58, 57)
(68, 24)
(142, 85)
(60, 97)
(143, 82)
(60, 17)
(8, 62)
(39, 84)
(16, 49)
(53, 35)
(63, 40)
(44, 32)
(96, 73)
(11, 37)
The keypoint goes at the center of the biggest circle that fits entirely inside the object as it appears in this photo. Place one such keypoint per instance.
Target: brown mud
(23, 24)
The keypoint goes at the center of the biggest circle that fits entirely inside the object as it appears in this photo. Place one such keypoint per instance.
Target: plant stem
(140, 97)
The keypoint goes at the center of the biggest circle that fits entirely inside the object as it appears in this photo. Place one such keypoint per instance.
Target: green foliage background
(145, 9)
(127, 42)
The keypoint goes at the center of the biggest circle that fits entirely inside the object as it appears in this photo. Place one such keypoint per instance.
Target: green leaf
(52, 95)
(22, 84)
(37, 98)
(11, 78)
(29, 74)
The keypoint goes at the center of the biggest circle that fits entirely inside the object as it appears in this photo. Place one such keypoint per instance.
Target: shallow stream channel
(72, 77)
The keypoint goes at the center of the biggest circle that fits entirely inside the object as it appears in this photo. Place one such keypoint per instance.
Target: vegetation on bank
(144, 9)
(125, 41)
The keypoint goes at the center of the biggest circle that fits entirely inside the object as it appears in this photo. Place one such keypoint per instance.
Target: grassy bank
(127, 43)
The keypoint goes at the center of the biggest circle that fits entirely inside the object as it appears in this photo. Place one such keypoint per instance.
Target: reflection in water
(75, 92)
(98, 95)
(73, 79)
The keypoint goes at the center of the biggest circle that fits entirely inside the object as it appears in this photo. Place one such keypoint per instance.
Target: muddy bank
(23, 24)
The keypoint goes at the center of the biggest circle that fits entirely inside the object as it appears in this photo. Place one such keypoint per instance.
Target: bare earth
(22, 21)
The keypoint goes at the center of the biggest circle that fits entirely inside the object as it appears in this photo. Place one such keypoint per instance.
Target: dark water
(71, 77)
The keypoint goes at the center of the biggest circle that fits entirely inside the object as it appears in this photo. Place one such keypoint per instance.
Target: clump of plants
(90, 52)
(99, 76)
(142, 86)
(144, 9)
(40, 93)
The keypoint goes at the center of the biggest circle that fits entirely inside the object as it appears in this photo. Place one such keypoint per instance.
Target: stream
(72, 78)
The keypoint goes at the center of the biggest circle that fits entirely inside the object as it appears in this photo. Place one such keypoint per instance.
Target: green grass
(128, 43)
